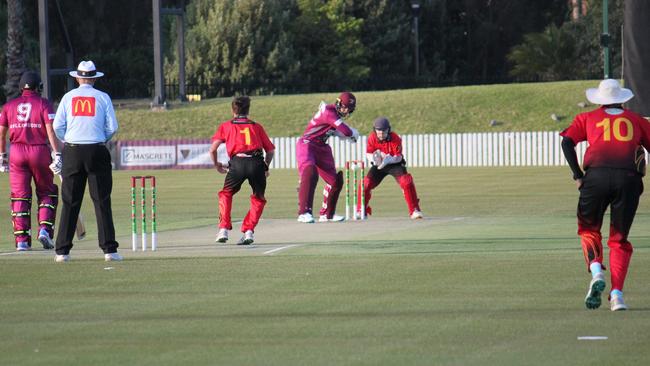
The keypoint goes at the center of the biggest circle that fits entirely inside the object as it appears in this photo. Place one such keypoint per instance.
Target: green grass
(504, 285)
(188, 198)
(518, 107)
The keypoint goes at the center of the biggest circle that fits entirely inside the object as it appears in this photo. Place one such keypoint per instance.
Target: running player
(246, 141)
(384, 151)
(613, 168)
(315, 157)
(28, 119)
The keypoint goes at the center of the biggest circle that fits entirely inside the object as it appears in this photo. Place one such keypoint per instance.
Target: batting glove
(57, 163)
(355, 135)
(4, 163)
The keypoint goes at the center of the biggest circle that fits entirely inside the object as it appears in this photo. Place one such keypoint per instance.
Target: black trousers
(376, 176)
(620, 189)
(81, 164)
(242, 169)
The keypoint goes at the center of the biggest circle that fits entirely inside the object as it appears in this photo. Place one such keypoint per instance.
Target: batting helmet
(346, 100)
(31, 80)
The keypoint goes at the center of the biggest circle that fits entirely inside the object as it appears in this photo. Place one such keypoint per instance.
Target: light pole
(604, 39)
(415, 9)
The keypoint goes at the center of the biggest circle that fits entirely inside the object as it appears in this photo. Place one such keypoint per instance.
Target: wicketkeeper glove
(388, 159)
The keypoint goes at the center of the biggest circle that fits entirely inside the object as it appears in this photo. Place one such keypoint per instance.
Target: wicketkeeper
(246, 141)
(384, 151)
(614, 164)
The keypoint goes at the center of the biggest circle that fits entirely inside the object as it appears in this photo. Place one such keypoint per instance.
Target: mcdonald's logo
(83, 106)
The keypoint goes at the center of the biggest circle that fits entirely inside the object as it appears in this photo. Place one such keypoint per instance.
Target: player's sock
(595, 268)
(616, 293)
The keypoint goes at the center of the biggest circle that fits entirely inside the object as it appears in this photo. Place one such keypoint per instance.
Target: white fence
(450, 150)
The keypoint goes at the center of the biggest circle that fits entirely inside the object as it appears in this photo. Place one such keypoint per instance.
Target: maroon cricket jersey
(26, 117)
(243, 135)
(613, 138)
(391, 146)
(324, 121)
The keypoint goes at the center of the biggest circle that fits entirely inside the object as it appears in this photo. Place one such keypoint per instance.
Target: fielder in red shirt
(384, 151)
(28, 119)
(246, 141)
(614, 164)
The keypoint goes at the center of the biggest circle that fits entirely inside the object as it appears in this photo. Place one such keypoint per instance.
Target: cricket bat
(81, 228)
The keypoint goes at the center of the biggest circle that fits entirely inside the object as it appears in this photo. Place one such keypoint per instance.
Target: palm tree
(549, 55)
(15, 47)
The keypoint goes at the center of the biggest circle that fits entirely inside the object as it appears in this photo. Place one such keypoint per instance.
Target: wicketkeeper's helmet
(382, 124)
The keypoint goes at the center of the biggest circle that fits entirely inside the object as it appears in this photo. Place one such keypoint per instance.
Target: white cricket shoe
(596, 288)
(247, 238)
(616, 303)
(416, 215)
(222, 236)
(60, 258)
(44, 238)
(306, 218)
(112, 257)
(335, 218)
(23, 246)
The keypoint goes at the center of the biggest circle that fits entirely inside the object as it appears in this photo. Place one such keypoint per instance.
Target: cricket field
(494, 275)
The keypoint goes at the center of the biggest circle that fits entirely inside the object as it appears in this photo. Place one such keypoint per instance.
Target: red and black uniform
(245, 142)
(611, 179)
(392, 145)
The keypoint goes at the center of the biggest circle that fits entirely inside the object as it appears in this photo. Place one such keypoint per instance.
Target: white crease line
(9, 253)
(280, 248)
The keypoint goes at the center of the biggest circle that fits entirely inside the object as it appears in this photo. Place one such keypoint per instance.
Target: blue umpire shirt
(85, 116)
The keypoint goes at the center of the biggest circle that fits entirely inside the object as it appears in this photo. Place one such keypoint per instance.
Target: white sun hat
(86, 70)
(609, 91)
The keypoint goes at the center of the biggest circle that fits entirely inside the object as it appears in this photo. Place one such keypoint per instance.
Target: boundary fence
(451, 150)
(422, 150)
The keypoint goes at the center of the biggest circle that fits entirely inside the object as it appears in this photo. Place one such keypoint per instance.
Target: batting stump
(143, 205)
(358, 198)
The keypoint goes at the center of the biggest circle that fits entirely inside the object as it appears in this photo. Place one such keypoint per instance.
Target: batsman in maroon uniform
(28, 119)
(384, 150)
(246, 141)
(314, 157)
(613, 167)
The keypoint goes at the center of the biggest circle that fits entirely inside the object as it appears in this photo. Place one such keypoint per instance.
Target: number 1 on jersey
(247, 135)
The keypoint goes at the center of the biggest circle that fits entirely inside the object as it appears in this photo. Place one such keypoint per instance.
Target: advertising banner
(194, 155)
(166, 154)
(148, 156)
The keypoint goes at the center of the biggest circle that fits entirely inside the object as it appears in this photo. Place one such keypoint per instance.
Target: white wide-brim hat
(86, 70)
(609, 91)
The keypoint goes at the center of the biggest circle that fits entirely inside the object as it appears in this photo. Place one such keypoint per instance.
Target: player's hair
(241, 105)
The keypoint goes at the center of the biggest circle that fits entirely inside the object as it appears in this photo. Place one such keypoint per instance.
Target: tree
(386, 26)
(467, 41)
(329, 45)
(240, 45)
(549, 55)
(573, 50)
(15, 48)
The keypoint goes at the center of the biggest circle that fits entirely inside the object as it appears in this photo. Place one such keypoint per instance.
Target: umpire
(85, 121)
